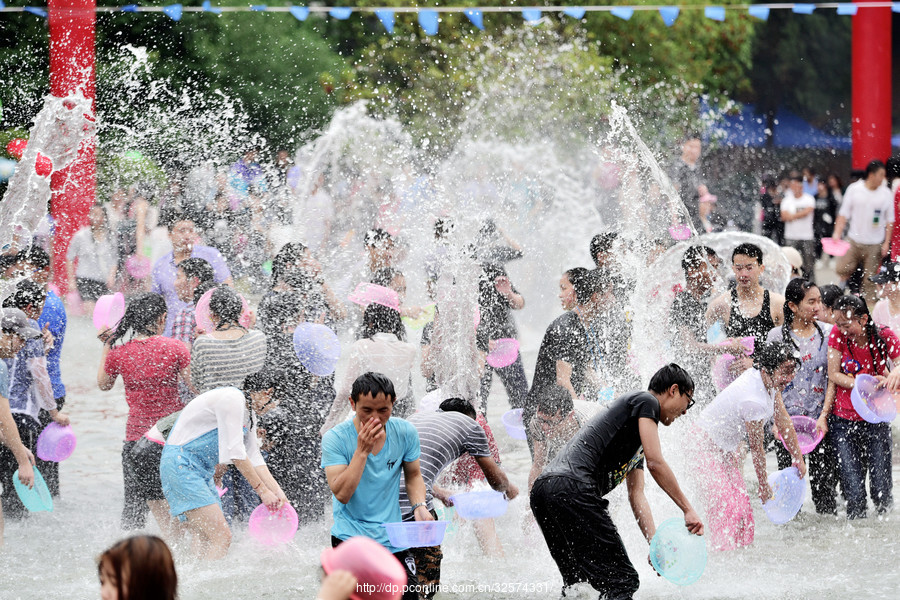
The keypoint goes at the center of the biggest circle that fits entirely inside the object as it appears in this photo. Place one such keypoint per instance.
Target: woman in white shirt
(380, 350)
(95, 251)
(215, 429)
(744, 406)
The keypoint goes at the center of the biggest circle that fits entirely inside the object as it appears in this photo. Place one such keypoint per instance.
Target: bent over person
(568, 498)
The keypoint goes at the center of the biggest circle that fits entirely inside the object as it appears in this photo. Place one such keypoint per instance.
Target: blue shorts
(186, 473)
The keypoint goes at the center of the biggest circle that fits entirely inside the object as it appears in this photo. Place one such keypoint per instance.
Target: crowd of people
(232, 404)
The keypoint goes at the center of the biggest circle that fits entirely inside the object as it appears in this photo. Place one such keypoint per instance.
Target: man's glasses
(690, 398)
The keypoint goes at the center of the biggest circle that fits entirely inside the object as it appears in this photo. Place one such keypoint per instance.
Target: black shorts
(140, 467)
(90, 289)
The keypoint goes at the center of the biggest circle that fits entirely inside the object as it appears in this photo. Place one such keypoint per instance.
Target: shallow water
(52, 555)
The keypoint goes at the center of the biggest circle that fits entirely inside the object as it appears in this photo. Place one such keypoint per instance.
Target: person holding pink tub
(743, 407)
(857, 346)
(805, 395)
(216, 429)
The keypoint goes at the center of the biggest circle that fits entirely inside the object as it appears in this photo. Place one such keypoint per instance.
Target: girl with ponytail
(743, 408)
(805, 395)
(857, 346)
(150, 366)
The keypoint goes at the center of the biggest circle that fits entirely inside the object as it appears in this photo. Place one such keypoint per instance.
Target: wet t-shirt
(805, 395)
(856, 360)
(609, 446)
(689, 312)
(565, 339)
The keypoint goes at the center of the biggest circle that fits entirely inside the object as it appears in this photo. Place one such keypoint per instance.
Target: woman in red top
(857, 346)
(150, 366)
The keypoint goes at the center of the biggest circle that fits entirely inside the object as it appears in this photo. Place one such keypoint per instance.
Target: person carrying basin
(805, 395)
(568, 498)
(857, 347)
(743, 408)
(363, 460)
(216, 429)
(444, 436)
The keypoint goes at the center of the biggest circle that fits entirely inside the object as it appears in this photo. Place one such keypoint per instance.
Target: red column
(71, 68)
(871, 102)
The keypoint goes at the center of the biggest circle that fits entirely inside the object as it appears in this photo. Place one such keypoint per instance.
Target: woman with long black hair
(857, 346)
(150, 366)
(805, 395)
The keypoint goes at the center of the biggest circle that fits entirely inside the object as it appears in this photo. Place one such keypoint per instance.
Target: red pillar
(71, 68)
(871, 101)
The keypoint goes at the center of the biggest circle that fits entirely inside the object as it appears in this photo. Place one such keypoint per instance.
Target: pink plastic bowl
(109, 310)
(379, 575)
(138, 266)
(370, 293)
(505, 352)
(56, 443)
(835, 247)
(806, 433)
(272, 528)
(680, 232)
(201, 313)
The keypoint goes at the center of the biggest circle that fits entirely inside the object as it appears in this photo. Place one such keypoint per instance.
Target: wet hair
(857, 306)
(143, 568)
(748, 249)
(586, 283)
(553, 399)
(288, 256)
(373, 384)
(830, 294)
(795, 176)
(172, 217)
(260, 381)
(278, 309)
(385, 275)
(35, 256)
(226, 305)
(795, 292)
(574, 273)
(459, 405)
(602, 242)
(141, 316)
(202, 288)
(768, 356)
(695, 256)
(873, 167)
(27, 293)
(199, 268)
(442, 227)
(377, 237)
(892, 166)
(381, 319)
(669, 375)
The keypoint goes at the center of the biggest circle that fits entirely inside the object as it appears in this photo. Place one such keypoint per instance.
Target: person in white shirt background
(797, 209)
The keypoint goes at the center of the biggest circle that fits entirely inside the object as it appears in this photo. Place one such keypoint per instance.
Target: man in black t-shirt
(568, 498)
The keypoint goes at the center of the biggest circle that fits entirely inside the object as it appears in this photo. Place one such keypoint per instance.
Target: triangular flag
(669, 14)
(623, 12)
(476, 17)
(716, 13)
(40, 12)
(387, 19)
(760, 12)
(341, 13)
(2, 5)
(576, 12)
(300, 12)
(848, 8)
(531, 15)
(173, 11)
(895, 7)
(207, 7)
(803, 9)
(259, 7)
(130, 8)
(428, 21)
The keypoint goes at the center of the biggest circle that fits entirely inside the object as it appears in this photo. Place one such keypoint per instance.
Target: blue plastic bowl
(873, 405)
(317, 347)
(416, 534)
(488, 504)
(676, 553)
(512, 420)
(37, 498)
(788, 494)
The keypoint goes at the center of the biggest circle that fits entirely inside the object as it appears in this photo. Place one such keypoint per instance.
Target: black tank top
(758, 326)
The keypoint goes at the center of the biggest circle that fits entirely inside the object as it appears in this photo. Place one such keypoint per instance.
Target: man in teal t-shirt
(363, 459)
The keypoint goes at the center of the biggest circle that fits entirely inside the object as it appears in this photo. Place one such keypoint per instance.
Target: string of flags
(429, 18)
